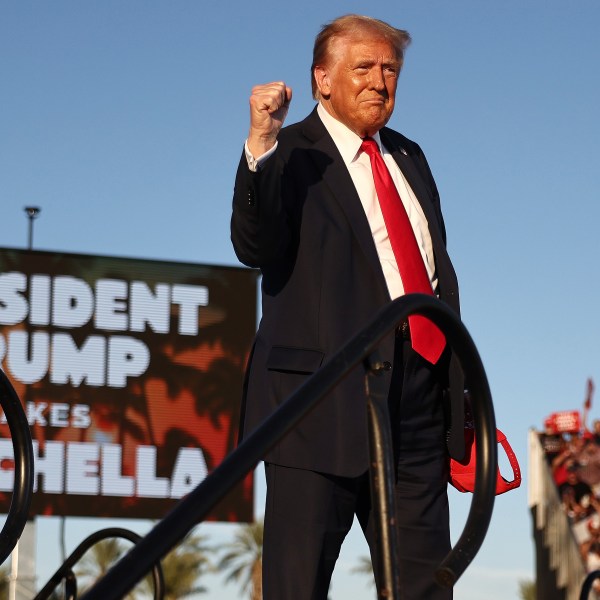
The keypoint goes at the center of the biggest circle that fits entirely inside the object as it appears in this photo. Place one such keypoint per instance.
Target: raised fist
(269, 105)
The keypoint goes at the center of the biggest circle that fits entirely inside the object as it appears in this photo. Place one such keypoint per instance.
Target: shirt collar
(347, 142)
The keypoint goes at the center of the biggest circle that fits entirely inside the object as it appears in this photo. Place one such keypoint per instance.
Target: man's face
(358, 84)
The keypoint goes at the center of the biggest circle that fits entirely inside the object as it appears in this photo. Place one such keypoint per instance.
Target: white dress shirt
(359, 167)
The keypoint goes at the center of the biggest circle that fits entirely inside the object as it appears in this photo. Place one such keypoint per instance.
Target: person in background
(590, 549)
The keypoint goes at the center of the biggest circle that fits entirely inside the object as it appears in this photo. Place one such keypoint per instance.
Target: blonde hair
(353, 26)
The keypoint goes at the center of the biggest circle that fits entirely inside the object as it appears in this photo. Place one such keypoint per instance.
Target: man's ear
(322, 79)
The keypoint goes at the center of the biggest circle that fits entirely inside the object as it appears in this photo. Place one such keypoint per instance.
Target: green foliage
(242, 561)
(365, 567)
(4, 581)
(97, 561)
(527, 590)
(182, 567)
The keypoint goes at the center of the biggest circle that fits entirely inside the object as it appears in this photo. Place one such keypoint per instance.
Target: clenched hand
(269, 104)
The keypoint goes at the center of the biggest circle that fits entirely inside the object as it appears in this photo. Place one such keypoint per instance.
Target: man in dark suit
(306, 212)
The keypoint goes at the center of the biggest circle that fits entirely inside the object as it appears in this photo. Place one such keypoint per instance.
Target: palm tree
(527, 590)
(4, 581)
(97, 561)
(183, 566)
(242, 560)
(365, 567)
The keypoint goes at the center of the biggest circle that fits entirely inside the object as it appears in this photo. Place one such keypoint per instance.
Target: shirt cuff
(255, 163)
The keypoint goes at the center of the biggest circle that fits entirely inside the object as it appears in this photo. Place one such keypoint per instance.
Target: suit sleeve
(427, 176)
(260, 230)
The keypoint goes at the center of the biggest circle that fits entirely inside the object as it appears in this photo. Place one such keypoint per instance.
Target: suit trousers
(308, 514)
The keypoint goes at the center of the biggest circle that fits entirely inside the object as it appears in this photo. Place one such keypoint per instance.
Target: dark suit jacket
(300, 220)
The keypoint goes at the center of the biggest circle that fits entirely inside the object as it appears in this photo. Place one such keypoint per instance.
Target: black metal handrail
(196, 505)
(65, 571)
(382, 477)
(23, 471)
(588, 584)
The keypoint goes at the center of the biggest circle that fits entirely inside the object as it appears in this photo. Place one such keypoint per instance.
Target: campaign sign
(564, 421)
(130, 373)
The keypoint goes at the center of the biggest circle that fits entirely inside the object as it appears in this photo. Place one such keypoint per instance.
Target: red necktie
(426, 338)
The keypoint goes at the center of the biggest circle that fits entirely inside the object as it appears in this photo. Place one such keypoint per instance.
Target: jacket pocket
(294, 360)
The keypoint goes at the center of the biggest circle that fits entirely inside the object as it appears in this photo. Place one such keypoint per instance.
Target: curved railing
(65, 571)
(196, 505)
(588, 584)
(23, 471)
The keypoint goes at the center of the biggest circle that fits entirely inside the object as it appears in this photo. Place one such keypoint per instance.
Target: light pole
(32, 213)
(22, 577)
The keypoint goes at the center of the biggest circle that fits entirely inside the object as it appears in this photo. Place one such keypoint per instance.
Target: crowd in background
(574, 460)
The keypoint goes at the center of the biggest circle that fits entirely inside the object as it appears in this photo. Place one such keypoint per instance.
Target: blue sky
(125, 121)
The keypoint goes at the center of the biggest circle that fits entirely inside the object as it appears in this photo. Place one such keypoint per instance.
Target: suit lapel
(330, 164)
(445, 271)
(408, 168)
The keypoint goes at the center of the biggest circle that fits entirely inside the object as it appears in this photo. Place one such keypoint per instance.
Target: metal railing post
(23, 471)
(65, 571)
(382, 478)
(196, 505)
